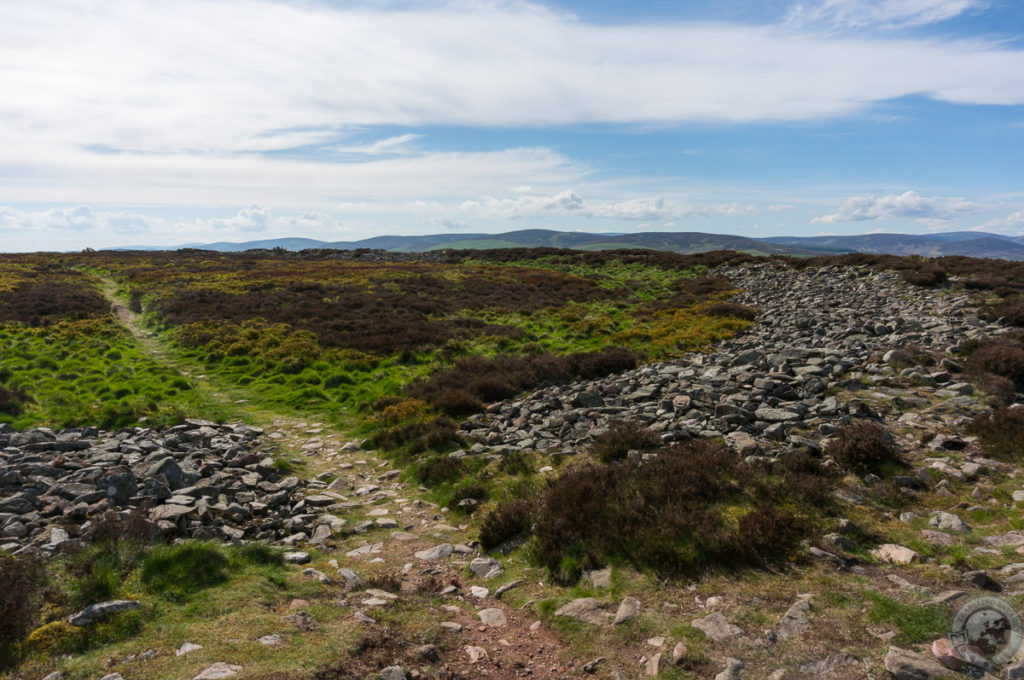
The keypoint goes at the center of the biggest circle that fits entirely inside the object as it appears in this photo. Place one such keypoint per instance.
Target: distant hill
(970, 243)
(680, 242)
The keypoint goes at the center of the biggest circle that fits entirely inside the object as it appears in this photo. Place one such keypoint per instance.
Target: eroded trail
(130, 320)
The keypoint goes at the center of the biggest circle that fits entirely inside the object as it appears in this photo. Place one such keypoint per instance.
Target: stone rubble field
(828, 349)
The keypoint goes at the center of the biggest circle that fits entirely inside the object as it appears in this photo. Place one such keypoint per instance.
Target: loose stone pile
(819, 331)
(198, 479)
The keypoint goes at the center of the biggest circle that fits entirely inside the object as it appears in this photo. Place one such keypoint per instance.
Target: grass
(226, 597)
(186, 580)
(92, 372)
(913, 623)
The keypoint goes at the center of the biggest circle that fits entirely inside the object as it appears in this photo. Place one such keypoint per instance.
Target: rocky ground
(821, 333)
(831, 346)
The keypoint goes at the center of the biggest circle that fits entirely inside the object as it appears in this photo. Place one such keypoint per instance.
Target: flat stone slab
(586, 609)
(896, 554)
(794, 621)
(101, 610)
(716, 627)
(438, 552)
(492, 617)
(218, 671)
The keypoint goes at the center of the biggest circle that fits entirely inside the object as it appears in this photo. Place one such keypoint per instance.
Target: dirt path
(514, 650)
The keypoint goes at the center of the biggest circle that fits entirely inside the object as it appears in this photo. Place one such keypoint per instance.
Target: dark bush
(1011, 311)
(769, 532)
(409, 312)
(112, 526)
(1001, 356)
(473, 381)
(511, 518)
(45, 303)
(473, 492)
(1001, 432)
(21, 582)
(926, 275)
(734, 309)
(996, 386)
(414, 438)
(668, 513)
(13, 400)
(439, 470)
(621, 437)
(862, 447)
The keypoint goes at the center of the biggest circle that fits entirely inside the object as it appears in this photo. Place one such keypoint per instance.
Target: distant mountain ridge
(969, 243)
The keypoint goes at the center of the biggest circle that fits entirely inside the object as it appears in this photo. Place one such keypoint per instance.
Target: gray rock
(393, 673)
(438, 552)
(486, 567)
(794, 621)
(947, 521)
(628, 610)
(297, 557)
(507, 587)
(981, 579)
(716, 627)
(101, 610)
(585, 609)
(907, 665)
(600, 578)
(218, 671)
(827, 665)
(493, 617)
(731, 671)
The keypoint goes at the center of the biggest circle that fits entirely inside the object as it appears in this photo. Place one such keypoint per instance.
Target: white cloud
(48, 229)
(1011, 225)
(931, 211)
(253, 218)
(524, 206)
(250, 75)
(568, 202)
(397, 144)
(79, 218)
(883, 13)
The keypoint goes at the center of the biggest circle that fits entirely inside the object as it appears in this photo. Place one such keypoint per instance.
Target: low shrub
(473, 381)
(1001, 389)
(1000, 432)
(257, 554)
(439, 470)
(862, 447)
(111, 526)
(621, 437)
(509, 519)
(176, 572)
(414, 438)
(926, 275)
(474, 492)
(1011, 311)
(695, 505)
(1000, 356)
(21, 582)
(734, 309)
(45, 303)
(13, 400)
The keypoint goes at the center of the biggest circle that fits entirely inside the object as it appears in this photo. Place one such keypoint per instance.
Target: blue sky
(144, 122)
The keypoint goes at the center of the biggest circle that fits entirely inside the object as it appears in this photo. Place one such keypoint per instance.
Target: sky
(146, 122)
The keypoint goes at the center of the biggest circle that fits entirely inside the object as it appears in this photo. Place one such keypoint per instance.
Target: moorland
(503, 463)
